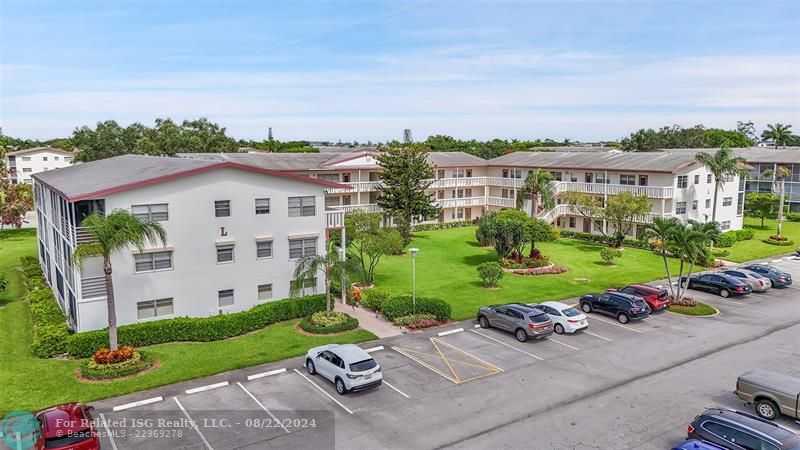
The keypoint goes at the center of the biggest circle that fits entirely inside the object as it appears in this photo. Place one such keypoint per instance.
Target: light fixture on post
(413, 252)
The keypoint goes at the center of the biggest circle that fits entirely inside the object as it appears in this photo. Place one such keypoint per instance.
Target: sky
(366, 70)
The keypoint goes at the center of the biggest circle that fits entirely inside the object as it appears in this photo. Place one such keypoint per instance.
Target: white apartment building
(234, 232)
(23, 164)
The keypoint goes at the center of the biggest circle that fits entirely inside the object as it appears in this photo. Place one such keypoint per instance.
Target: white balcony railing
(564, 210)
(366, 207)
(334, 218)
(613, 189)
(502, 202)
(461, 202)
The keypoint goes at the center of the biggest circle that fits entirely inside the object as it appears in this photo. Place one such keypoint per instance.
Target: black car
(779, 278)
(740, 431)
(624, 307)
(718, 283)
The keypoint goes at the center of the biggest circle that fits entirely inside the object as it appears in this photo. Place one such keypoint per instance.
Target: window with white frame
(708, 178)
(727, 201)
(308, 283)
(26, 158)
(263, 249)
(265, 291)
(725, 225)
(157, 212)
(150, 261)
(225, 298)
(302, 206)
(225, 253)
(67, 159)
(329, 177)
(302, 247)
(697, 179)
(55, 158)
(222, 208)
(629, 180)
(680, 207)
(683, 181)
(572, 222)
(154, 308)
(262, 206)
(694, 205)
(708, 203)
(728, 178)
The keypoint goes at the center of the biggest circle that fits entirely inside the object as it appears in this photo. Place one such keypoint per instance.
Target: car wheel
(341, 389)
(587, 308)
(767, 409)
(310, 367)
(725, 293)
(623, 318)
(558, 328)
(684, 284)
(521, 335)
(483, 322)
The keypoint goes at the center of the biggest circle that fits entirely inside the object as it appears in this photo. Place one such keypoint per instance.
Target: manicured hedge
(600, 239)
(727, 239)
(50, 329)
(350, 324)
(402, 305)
(784, 243)
(373, 297)
(444, 225)
(201, 329)
(745, 234)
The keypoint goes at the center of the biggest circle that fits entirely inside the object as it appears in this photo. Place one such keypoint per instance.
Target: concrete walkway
(369, 321)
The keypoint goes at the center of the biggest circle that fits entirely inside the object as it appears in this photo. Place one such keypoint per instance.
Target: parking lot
(613, 386)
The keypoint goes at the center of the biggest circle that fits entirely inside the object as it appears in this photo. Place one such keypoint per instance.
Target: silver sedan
(758, 282)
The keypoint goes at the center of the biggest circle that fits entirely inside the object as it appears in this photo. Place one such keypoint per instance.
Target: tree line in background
(698, 136)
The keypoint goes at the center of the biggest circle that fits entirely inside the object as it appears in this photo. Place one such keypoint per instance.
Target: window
(680, 207)
(301, 206)
(299, 248)
(629, 180)
(44, 158)
(728, 178)
(726, 225)
(67, 159)
(683, 181)
(697, 179)
(329, 177)
(727, 201)
(440, 174)
(262, 206)
(27, 169)
(708, 178)
(504, 193)
(505, 172)
(694, 205)
(156, 212)
(572, 222)
(264, 249)
(265, 291)
(154, 308)
(225, 253)
(222, 208)
(440, 194)
(225, 298)
(55, 158)
(556, 175)
(708, 203)
(26, 158)
(146, 262)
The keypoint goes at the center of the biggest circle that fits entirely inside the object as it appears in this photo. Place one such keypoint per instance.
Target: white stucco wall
(39, 162)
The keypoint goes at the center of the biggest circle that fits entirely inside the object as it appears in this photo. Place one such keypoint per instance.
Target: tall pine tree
(405, 177)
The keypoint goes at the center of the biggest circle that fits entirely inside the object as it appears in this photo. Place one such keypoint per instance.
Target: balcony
(458, 182)
(613, 189)
(461, 202)
(563, 210)
(356, 187)
(502, 202)
(334, 218)
(366, 207)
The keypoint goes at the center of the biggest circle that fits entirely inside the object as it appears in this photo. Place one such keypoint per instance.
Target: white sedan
(566, 319)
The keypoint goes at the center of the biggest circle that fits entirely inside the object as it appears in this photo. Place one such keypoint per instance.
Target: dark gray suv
(522, 320)
(740, 431)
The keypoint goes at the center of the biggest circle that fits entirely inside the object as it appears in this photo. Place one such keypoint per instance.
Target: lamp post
(413, 252)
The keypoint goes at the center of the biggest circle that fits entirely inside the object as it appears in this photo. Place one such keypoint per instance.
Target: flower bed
(778, 240)
(135, 363)
(417, 321)
(550, 269)
(319, 323)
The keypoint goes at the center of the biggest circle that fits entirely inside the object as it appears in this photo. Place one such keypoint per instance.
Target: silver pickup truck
(773, 393)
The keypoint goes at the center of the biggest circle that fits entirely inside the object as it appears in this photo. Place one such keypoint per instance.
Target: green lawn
(754, 249)
(27, 382)
(447, 261)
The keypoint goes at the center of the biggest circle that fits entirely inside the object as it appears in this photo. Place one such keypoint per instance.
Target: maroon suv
(657, 299)
(67, 426)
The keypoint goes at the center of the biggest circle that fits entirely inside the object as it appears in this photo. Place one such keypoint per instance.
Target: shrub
(720, 252)
(49, 340)
(490, 273)
(106, 356)
(199, 329)
(706, 258)
(745, 234)
(727, 239)
(50, 330)
(416, 321)
(136, 363)
(372, 298)
(525, 263)
(600, 239)
(355, 296)
(444, 225)
(783, 242)
(402, 305)
(793, 216)
(549, 270)
(337, 322)
(609, 254)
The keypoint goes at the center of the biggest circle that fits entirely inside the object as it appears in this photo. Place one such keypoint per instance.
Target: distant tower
(269, 134)
(407, 136)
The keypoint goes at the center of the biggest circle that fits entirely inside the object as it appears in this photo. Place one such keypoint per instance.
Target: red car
(67, 426)
(657, 299)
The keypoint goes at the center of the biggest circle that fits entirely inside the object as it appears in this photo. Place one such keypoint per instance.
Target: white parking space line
(445, 333)
(615, 324)
(193, 424)
(108, 431)
(477, 325)
(396, 390)
(508, 345)
(562, 343)
(374, 349)
(261, 405)
(265, 374)
(597, 335)
(323, 391)
(139, 403)
(207, 387)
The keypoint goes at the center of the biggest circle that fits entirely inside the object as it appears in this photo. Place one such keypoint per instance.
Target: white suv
(348, 366)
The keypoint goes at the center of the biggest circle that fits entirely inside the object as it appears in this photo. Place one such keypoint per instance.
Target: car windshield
(640, 303)
(571, 312)
(68, 439)
(361, 366)
(662, 293)
(539, 318)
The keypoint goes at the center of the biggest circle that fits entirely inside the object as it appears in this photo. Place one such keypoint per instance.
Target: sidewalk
(368, 320)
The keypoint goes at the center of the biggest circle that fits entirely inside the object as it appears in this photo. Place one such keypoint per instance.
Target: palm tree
(707, 234)
(108, 235)
(779, 174)
(538, 184)
(721, 164)
(779, 133)
(685, 243)
(332, 268)
(661, 230)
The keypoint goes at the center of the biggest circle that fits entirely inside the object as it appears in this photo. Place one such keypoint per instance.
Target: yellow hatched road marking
(438, 345)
